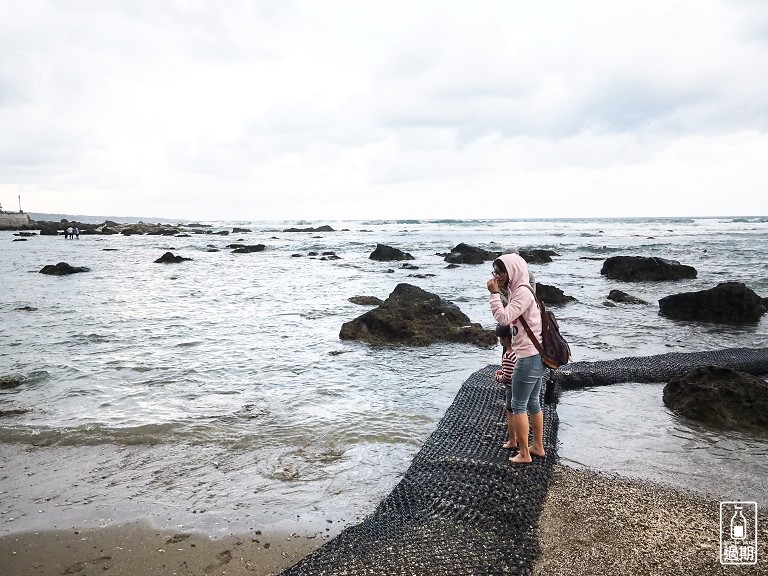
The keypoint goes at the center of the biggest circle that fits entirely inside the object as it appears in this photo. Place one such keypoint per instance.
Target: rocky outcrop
(639, 268)
(384, 253)
(62, 269)
(624, 298)
(249, 249)
(169, 258)
(325, 228)
(366, 300)
(537, 256)
(726, 302)
(552, 295)
(8, 382)
(466, 254)
(415, 317)
(720, 397)
(241, 230)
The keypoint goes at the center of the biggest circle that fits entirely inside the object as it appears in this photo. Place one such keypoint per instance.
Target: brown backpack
(554, 349)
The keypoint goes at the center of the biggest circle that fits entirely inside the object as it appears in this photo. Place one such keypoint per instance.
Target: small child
(504, 376)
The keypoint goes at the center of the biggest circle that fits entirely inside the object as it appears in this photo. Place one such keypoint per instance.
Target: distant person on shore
(77, 233)
(68, 233)
(510, 275)
(504, 376)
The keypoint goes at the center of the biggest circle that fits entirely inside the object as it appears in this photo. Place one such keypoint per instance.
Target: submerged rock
(249, 249)
(366, 300)
(62, 269)
(726, 302)
(169, 258)
(624, 298)
(384, 253)
(720, 397)
(639, 268)
(415, 317)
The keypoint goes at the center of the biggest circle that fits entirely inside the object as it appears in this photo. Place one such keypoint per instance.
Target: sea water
(216, 393)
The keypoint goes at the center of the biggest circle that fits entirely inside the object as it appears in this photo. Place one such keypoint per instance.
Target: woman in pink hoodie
(510, 274)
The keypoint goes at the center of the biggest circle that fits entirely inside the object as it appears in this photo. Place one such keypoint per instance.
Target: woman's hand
(493, 286)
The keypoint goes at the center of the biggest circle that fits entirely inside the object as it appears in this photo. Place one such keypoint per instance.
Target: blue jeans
(526, 385)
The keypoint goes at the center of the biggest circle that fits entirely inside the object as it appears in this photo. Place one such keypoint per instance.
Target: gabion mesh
(660, 368)
(461, 508)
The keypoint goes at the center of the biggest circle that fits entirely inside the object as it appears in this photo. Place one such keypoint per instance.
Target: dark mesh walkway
(660, 368)
(461, 508)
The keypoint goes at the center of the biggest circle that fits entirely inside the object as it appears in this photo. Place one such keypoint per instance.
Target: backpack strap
(525, 324)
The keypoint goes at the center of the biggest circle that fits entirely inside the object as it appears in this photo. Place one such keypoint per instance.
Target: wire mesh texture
(461, 507)
(659, 368)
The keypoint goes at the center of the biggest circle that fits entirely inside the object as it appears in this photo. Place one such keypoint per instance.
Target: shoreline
(591, 523)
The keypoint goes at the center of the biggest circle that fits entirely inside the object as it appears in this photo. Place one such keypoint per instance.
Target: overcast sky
(357, 109)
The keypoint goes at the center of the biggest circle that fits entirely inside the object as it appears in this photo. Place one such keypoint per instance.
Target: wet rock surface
(640, 268)
(412, 316)
(62, 269)
(384, 253)
(720, 397)
(169, 258)
(624, 298)
(726, 302)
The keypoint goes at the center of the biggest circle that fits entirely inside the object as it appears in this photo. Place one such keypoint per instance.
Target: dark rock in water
(49, 231)
(384, 253)
(412, 316)
(465, 254)
(249, 249)
(240, 230)
(639, 268)
(8, 382)
(726, 302)
(62, 269)
(407, 266)
(721, 397)
(25, 234)
(325, 228)
(538, 256)
(624, 298)
(366, 300)
(552, 295)
(452, 266)
(13, 412)
(169, 258)
(26, 308)
(19, 240)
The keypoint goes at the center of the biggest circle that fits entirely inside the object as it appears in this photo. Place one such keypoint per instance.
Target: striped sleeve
(508, 361)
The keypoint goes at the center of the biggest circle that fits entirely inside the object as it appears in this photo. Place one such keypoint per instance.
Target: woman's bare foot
(538, 452)
(510, 445)
(520, 460)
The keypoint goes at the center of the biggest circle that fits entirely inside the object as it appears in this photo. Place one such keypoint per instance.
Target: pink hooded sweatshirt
(521, 302)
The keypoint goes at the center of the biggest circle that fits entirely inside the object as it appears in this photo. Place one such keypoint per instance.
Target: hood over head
(517, 270)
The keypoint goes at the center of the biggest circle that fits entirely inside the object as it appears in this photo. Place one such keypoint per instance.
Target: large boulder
(639, 268)
(726, 302)
(466, 254)
(720, 397)
(384, 253)
(552, 295)
(62, 269)
(411, 316)
(324, 228)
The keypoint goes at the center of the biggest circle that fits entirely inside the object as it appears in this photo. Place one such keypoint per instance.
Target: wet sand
(592, 523)
(136, 549)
